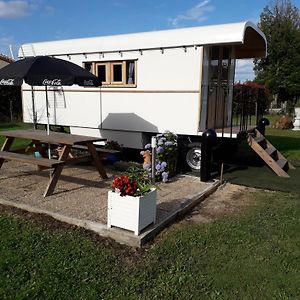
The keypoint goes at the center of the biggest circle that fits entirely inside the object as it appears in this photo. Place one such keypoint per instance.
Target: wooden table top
(53, 137)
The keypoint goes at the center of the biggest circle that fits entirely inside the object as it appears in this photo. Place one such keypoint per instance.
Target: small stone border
(120, 235)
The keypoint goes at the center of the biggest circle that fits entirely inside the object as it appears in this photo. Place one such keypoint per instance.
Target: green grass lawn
(248, 169)
(18, 143)
(250, 255)
(253, 255)
(286, 141)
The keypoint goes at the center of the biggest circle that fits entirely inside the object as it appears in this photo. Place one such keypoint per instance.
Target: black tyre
(193, 156)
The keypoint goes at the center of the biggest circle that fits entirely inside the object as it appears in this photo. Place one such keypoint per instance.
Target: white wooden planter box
(131, 213)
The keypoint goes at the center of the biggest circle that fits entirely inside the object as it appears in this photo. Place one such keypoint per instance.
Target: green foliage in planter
(142, 178)
(135, 182)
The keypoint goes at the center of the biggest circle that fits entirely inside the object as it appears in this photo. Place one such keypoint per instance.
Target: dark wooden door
(219, 73)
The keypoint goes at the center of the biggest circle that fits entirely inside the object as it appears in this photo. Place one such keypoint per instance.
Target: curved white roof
(235, 33)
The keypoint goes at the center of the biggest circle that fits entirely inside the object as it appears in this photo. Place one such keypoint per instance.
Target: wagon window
(88, 66)
(117, 73)
(130, 72)
(103, 72)
(114, 73)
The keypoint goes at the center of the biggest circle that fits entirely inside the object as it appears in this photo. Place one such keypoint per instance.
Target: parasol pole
(47, 109)
(48, 122)
(33, 108)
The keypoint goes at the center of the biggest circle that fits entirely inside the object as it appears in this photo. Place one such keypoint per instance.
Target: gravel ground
(81, 193)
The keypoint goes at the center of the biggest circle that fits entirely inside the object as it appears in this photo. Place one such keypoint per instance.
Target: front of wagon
(225, 107)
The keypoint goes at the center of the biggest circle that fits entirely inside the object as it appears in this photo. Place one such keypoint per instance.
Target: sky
(28, 21)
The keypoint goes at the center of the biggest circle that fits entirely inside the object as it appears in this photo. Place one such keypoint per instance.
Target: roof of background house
(6, 58)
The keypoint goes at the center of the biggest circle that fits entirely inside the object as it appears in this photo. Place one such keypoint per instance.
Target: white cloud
(14, 9)
(21, 8)
(5, 42)
(118, 4)
(197, 13)
(244, 70)
(49, 9)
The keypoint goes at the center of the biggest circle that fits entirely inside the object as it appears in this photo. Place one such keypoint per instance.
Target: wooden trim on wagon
(125, 91)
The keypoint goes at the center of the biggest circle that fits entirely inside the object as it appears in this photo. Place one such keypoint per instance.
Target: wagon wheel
(193, 156)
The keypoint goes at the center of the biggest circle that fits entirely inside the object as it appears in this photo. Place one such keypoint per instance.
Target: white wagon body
(169, 87)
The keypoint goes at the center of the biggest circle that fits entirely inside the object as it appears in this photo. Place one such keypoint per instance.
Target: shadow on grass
(285, 143)
(247, 169)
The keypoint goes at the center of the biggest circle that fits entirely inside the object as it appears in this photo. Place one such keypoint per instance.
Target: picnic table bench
(99, 149)
(41, 162)
(38, 137)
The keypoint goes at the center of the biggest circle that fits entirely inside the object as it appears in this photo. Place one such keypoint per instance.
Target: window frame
(109, 83)
(123, 73)
(107, 71)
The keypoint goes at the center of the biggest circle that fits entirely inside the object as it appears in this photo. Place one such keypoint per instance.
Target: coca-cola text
(88, 82)
(54, 82)
(7, 82)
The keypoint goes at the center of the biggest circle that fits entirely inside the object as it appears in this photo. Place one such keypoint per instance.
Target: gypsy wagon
(179, 80)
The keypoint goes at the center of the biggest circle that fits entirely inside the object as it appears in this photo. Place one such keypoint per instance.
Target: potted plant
(297, 116)
(167, 151)
(132, 201)
(115, 150)
(166, 156)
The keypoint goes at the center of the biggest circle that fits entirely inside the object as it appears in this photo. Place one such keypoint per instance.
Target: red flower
(125, 185)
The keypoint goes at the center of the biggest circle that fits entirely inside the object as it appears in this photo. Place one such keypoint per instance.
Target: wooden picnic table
(38, 138)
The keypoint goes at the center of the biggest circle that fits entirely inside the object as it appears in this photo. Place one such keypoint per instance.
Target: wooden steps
(273, 158)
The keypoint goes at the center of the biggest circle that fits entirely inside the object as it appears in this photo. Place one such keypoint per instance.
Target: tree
(10, 103)
(279, 71)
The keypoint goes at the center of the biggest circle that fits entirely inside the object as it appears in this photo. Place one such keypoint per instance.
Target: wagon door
(218, 73)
